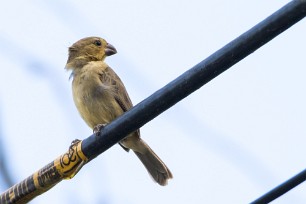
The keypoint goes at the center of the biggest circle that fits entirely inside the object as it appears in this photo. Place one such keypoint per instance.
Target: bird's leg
(74, 142)
(70, 162)
(98, 128)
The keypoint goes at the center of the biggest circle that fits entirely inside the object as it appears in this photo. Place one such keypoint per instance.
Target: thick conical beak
(110, 50)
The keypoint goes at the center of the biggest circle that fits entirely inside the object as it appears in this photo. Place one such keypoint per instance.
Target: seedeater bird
(100, 97)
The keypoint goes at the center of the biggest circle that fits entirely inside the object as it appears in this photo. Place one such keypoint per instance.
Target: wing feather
(109, 78)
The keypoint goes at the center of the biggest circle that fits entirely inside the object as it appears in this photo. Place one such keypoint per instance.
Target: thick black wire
(282, 188)
(196, 77)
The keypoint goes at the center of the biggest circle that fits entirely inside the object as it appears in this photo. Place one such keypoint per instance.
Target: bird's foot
(70, 162)
(98, 128)
(74, 142)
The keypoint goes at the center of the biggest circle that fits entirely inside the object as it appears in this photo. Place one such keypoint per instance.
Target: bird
(100, 96)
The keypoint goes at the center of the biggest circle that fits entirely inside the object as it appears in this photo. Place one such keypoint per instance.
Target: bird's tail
(154, 165)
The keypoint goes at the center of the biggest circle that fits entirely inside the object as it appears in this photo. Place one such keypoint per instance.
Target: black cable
(175, 91)
(282, 188)
(194, 78)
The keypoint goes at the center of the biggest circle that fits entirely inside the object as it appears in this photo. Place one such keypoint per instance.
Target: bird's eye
(98, 43)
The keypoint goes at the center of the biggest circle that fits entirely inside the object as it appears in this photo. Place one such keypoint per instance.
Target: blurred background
(233, 140)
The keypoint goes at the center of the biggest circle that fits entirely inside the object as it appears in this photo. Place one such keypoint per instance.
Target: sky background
(231, 141)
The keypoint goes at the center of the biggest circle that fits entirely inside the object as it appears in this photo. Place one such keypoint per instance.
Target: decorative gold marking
(70, 163)
(65, 166)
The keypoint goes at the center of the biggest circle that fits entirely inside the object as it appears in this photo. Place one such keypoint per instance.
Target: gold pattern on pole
(65, 166)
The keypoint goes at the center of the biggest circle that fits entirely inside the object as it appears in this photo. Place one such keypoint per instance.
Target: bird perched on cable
(100, 97)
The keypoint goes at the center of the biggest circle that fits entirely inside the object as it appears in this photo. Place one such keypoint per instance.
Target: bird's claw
(74, 142)
(97, 129)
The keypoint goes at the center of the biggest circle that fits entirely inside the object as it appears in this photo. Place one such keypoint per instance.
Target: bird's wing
(110, 78)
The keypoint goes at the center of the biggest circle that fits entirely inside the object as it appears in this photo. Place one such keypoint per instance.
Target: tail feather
(154, 165)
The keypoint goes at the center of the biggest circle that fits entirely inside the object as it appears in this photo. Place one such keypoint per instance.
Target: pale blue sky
(231, 141)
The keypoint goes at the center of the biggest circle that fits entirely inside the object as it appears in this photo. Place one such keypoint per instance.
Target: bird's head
(88, 49)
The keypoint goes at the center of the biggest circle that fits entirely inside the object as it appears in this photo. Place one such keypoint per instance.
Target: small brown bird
(100, 97)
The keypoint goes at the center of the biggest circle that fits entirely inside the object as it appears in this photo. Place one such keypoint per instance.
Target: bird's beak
(110, 50)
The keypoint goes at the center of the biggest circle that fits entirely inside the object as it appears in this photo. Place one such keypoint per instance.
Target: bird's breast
(94, 100)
